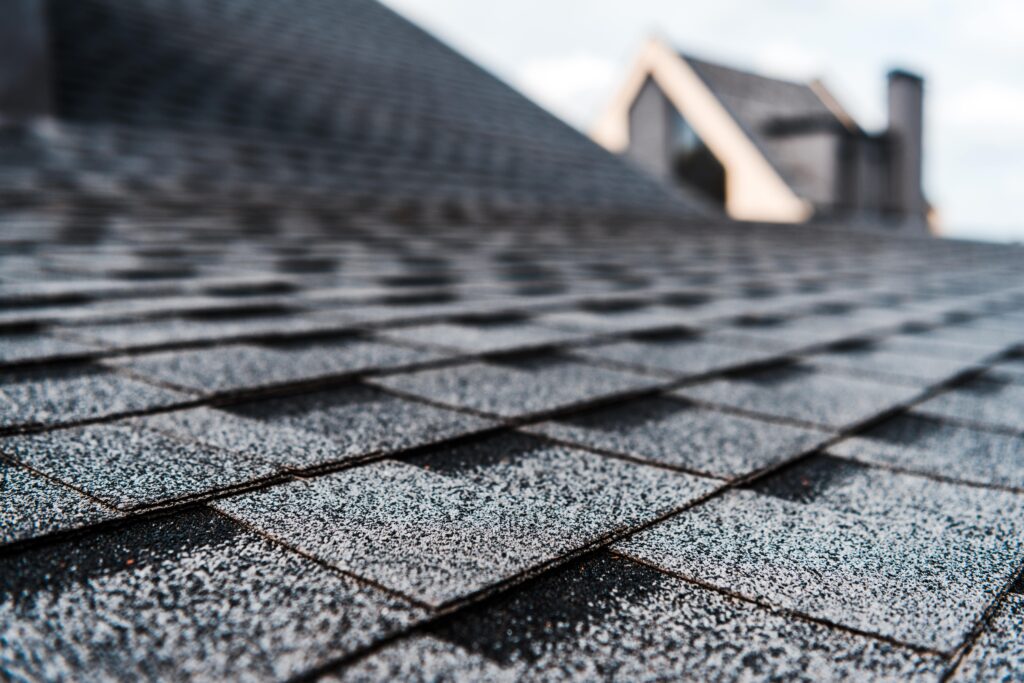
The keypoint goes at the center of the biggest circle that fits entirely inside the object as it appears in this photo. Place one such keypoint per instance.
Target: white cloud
(572, 86)
(986, 110)
(787, 60)
(997, 25)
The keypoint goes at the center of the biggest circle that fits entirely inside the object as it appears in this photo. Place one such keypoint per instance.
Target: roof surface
(253, 428)
(519, 452)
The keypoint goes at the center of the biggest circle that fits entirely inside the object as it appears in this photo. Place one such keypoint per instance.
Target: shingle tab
(483, 337)
(59, 395)
(191, 597)
(924, 584)
(128, 464)
(992, 401)
(886, 366)
(519, 387)
(1012, 369)
(998, 654)
(614, 619)
(616, 319)
(328, 426)
(151, 333)
(676, 433)
(941, 341)
(596, 495)
(797, 393)
(31, 506)
(915, 443)
(988, 337)
(682, 355)
(20, 347)
(850, 487)
(428, 536)
(930, 347)
(237, 367)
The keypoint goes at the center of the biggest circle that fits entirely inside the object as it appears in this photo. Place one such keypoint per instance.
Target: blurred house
(767, 149)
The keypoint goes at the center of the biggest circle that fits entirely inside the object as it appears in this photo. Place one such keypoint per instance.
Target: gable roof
(755, 188)
(769, 110)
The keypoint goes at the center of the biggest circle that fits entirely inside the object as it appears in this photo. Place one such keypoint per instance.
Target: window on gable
(693, 164)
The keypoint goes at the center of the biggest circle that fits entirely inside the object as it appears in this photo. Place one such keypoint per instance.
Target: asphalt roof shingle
(430, 537)
(900, 368)
(674, 433)
(130, 464)
(462, 395)
(801, 393)
(681, 355)
(31, 506)
(233, 368)
(518, 387)
(336, 425)
(60, 395)
(919, 444)
(35, 346)
(920, 584)
(999, 652)
(612, 618)
(201, 597)
(990, 402)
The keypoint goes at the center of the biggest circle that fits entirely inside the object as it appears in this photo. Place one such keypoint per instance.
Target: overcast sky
(570, 55)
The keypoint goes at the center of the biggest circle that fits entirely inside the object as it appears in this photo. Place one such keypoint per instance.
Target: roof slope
(342, 98)
(315, 440)
(533, 452)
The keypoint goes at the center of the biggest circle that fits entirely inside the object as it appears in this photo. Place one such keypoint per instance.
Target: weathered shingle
(919, 444)
(237, 367)
(992, 401)
(130, 464)
(832, 400)
(31, 506)
(191, 597)
(923, 584)
(681, 355)
(998, 654)
(58, 395)
(674, 433)
(518, 387)
(612, 618)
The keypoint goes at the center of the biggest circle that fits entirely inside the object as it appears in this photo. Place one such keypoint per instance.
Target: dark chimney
(25, 88)
(906, 127)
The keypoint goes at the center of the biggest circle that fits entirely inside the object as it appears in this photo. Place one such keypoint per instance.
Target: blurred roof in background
(343, 102)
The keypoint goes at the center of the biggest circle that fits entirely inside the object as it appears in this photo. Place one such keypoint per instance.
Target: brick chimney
(906, 128)
(25, 78)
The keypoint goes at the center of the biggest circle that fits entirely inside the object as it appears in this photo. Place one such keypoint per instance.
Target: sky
(571, 55)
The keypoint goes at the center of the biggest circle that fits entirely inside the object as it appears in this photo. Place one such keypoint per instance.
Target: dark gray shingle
(675, 433)
(201, 598)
